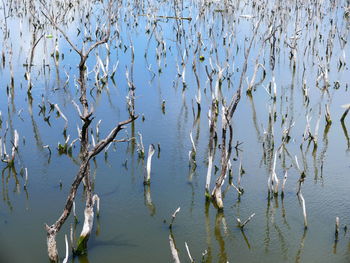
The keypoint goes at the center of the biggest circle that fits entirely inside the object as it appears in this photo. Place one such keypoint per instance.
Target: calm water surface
(133, 222)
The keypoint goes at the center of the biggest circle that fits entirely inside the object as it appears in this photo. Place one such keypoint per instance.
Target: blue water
(130, 228)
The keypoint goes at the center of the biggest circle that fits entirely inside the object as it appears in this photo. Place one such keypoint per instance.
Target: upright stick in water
(173, 249)
(336, 228)
(151, 151)
(273, 180)
(67, 249)
(173, 216)
(189, 253)
(241, 225)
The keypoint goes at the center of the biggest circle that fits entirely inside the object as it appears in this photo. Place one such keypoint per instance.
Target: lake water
(134, 219)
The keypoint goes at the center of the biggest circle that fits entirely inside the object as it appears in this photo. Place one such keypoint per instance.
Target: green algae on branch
(81, 245)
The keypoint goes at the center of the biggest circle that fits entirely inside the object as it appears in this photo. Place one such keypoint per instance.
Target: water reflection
(254, 118)
(267, 227)
(5, 184)
(301, 247)
(220, 221)
(148, 200)
(284, 213)
(189, 57)
(325, 147)
(209, 256)
(245, 238)
(282, 242)
(346, 135)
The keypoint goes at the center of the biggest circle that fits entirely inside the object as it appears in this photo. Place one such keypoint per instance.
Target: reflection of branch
(5, 192)
(267, 228)
(258, 133)
(245, 238)
(148, 200)
(346, 134)
(301, 247)
(325, 146)
(284, 247)
(219, 218)
(345, 113)
(208, 234)
(284, 213)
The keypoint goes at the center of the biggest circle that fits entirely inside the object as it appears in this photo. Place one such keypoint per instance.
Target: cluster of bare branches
(210, 52)
(87, 150)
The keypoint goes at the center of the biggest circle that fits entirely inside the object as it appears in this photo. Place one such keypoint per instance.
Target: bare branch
(173, 217)
(241, 225)
(103, 143)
